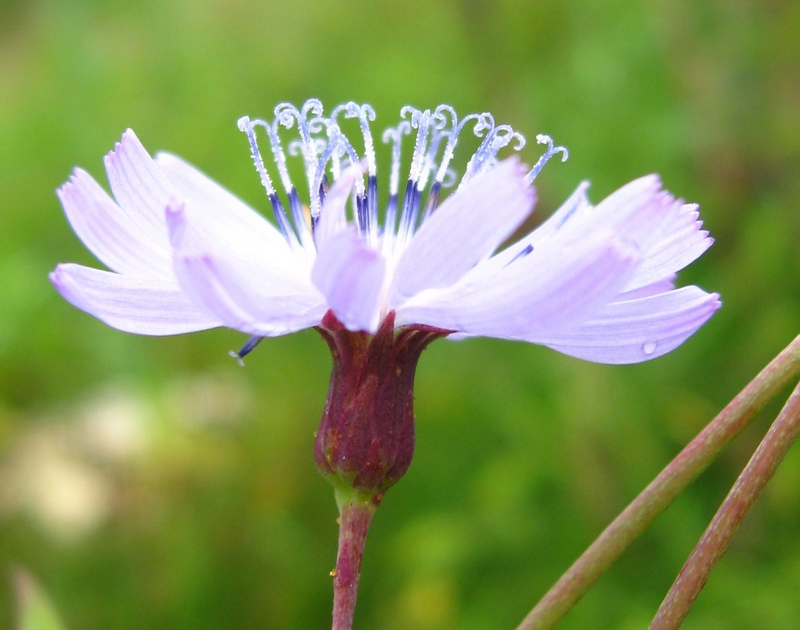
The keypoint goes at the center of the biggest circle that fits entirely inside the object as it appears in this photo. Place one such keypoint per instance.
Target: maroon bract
(366, 437)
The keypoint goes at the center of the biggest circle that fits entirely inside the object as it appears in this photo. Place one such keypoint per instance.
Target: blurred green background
(151, 483)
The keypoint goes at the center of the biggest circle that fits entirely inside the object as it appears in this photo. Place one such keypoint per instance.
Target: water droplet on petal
(649, 347)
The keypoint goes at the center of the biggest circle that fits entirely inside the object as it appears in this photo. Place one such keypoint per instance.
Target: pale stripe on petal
(573, 208)
(110, 234)
(139, 186)
(638, 212)
(240, 303)
(219, 214)
(272, 272)
(660, 286)
(638, 330)
(680, 242)
(135, 305)
(464, 230)
(265, 300)
(541, 294)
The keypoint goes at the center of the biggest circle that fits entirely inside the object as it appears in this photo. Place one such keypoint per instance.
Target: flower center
(325, 150)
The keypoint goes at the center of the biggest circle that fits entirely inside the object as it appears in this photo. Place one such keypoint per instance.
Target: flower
(595, 282)
(186, 255)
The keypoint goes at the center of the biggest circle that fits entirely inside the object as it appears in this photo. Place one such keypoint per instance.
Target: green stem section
(678, 474)
(355, 514)
(726, 521)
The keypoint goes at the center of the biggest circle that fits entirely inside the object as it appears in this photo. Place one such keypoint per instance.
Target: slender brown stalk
(681, 471)
(354, 520)
(726, 521)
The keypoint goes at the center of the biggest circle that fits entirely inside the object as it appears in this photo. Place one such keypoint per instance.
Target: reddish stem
(726, 521)
(354, 520)
(686, 466)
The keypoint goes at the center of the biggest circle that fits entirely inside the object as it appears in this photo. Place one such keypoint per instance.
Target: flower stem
(678, 474)
(737, 504)
(355, 515)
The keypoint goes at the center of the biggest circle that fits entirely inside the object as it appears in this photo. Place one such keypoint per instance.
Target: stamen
(366, 205)
(283, 221)
(389, 225)
(551, 151)
(521, 254)
(326, 150)
(337, 145)
(421, 121)
(486, 123)
(247, 348)
(408, 213)
(277, 153)
(365, 115)
(453, 134)
(331, 154)
(372, 208)
(286, 114)
(395, 136)
(430, 157)
(248, 127)
(297, 226)
(574, 202)
(444, 172)
(362, 214)
(299, 218)
(300, 227)
(322, 191)
(308, 121)
(497, 137)
(433, 200)
(439, 134)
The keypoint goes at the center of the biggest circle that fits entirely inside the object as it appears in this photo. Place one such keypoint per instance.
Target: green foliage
(152, 483)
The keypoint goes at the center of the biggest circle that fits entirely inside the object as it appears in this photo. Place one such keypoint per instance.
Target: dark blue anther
(521, 254)
(408, 214)
(389, 223)
(298, 217)
(372, 204)
(282, 220)
(433, 200)
(246, 349)
(362, 215)
(323, 190)
(568, 214)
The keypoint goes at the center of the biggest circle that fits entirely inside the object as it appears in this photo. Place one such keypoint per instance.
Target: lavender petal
(540, 294)
(135, 305)
(139, 186)
(109, 233)
(260, 299)
(464, 230)
(680, 242)
(216, 211)
(638, 330)
(351, 275)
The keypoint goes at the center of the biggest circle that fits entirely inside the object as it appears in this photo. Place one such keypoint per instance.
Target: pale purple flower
(595, 282)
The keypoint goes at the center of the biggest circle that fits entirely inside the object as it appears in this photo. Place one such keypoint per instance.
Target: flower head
(596, 282)
(380, 281)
